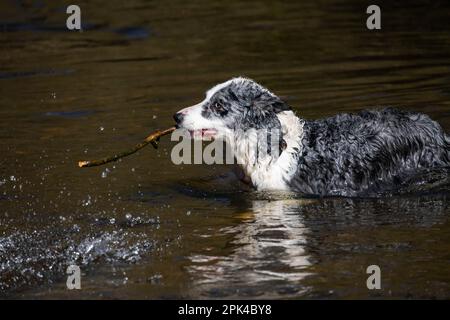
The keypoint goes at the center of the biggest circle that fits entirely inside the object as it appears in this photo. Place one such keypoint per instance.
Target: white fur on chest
(271, 173)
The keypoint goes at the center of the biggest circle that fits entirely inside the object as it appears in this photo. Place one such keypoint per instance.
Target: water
(145, 228)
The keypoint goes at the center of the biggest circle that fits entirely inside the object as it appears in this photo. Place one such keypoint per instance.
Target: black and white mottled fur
(348, 154)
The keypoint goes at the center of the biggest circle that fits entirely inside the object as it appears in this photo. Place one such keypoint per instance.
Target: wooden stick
(153, 138)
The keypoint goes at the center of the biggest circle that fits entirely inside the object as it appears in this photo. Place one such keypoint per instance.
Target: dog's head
(239, 104)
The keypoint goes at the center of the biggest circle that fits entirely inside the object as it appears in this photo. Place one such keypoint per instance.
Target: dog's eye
(219, 108)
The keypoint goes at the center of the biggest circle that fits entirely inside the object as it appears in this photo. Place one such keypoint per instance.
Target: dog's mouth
(203, 133)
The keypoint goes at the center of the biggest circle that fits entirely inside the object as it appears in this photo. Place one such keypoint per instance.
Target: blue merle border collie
(344, 155)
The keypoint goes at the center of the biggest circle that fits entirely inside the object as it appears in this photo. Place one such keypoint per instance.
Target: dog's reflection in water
(267, 253)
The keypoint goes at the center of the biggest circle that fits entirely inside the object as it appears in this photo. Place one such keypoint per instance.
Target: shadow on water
(288, 246)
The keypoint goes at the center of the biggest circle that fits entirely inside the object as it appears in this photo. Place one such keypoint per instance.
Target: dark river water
(146, 228)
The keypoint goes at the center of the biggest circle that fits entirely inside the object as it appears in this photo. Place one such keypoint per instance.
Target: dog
(343, 155)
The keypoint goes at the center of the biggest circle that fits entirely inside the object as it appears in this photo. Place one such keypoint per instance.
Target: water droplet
(87, 202)
(105, 173)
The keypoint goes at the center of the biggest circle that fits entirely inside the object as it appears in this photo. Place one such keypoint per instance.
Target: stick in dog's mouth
(153, 139)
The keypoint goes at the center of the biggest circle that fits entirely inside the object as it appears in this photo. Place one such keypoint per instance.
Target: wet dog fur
(343, 155)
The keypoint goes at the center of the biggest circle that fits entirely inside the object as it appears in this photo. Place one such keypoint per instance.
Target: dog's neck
(271, 171)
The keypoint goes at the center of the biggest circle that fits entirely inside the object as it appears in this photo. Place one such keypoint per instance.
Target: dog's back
(350, 154)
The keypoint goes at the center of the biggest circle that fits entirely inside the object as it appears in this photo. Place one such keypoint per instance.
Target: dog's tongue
(203, 133)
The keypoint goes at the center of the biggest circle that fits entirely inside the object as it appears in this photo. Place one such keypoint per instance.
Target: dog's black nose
(178, 117)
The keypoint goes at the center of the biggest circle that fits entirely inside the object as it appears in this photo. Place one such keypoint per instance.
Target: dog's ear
(271, 103)
(280, 106)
